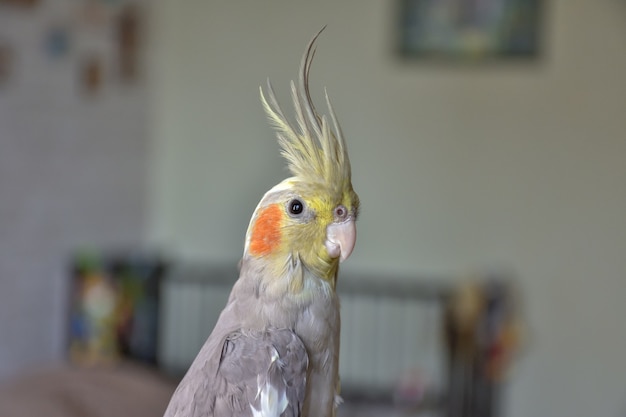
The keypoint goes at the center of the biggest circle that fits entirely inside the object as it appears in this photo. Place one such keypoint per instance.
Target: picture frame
(470, 30)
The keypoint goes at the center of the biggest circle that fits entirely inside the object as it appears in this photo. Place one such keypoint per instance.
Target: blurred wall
(520, 165)
(72, 174)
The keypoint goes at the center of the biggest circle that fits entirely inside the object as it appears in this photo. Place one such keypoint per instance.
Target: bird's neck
(290, 277)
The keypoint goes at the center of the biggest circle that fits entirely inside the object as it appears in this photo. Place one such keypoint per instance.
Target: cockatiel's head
(308, 220)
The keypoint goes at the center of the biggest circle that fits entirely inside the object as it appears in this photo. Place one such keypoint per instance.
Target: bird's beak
(340, 239)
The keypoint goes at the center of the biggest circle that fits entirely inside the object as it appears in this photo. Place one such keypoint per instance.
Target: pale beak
(340, 239)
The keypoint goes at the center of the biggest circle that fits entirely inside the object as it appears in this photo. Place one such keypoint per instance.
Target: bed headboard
(418, 342)
(390, 339)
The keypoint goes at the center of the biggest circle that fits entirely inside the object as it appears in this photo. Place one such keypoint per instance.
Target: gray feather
(247, 360)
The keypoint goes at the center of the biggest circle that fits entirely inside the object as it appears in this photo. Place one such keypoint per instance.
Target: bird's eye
(296, 207)
(341, 212)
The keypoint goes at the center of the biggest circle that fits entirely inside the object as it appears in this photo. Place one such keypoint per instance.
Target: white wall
(457, 167)
(72, 173)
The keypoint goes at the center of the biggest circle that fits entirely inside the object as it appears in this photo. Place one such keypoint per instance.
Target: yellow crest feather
(314, 151)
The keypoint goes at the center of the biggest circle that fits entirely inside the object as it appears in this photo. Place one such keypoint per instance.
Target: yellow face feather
(291, 222)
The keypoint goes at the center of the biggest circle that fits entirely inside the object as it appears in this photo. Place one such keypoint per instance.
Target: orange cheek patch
(266, 230)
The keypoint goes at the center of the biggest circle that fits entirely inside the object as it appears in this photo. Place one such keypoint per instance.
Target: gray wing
(258, 374)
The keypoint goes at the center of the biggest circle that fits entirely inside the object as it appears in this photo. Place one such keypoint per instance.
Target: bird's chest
(313, 313)
(318, 325)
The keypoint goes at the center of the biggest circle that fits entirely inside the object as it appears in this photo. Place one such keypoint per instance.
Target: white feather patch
(272, 401)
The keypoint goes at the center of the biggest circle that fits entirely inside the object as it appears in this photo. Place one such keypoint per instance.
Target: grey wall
(458, 168)
(72, 174)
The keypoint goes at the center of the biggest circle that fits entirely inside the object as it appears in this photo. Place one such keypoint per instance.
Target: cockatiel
(274, 350)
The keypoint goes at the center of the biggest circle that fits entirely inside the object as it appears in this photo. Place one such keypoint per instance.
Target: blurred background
(136, 127)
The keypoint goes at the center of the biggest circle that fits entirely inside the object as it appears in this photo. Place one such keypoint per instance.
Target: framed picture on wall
(470, 30)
